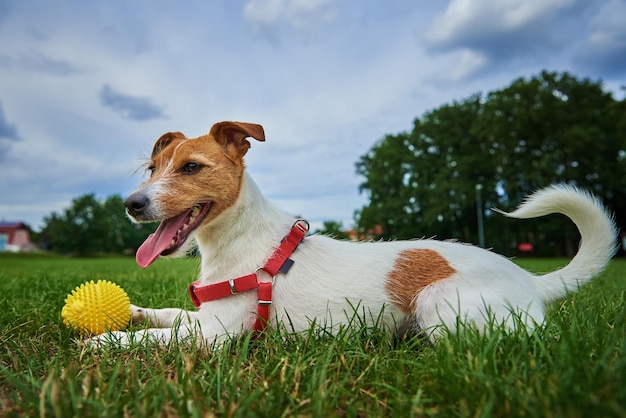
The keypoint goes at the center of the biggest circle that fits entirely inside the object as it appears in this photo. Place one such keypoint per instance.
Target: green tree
(423, 183)
(553, 128)
(79, 229)
(334, 229)
(546, 129)
(90, 226)
(384, 168)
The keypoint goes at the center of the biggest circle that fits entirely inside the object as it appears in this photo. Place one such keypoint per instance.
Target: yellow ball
(94, 308)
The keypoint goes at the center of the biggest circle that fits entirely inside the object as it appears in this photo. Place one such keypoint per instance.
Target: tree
(384, 168)
(546, 129)
(553, 128)
(90, 226)
(334, 229)
(423, 183)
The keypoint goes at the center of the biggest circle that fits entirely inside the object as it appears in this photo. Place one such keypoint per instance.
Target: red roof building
(14, 236)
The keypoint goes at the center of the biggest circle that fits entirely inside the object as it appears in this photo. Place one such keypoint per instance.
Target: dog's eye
(191, 168)
(151, 169)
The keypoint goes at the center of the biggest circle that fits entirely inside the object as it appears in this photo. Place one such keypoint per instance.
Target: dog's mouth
(171, 234)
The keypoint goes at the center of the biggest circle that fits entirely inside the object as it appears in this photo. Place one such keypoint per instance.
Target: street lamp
(479, 215)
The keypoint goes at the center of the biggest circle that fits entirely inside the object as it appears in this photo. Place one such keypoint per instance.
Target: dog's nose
(136, 204)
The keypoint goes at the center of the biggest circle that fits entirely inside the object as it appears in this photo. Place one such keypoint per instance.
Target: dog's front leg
(168, 324)
(162, 318)
(162, 336)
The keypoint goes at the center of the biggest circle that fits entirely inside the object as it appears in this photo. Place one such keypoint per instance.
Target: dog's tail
(597, 229)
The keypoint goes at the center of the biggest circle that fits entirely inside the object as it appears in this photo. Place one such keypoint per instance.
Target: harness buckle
(272, 279)
(302, 225)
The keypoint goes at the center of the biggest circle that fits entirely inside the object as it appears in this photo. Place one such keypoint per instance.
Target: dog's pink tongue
(158, 242)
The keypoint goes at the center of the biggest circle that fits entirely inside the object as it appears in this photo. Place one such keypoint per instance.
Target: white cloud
(604, 49)
(479, 23)
(296, 13)
(608, 27)
(463, 64)
(264, 12)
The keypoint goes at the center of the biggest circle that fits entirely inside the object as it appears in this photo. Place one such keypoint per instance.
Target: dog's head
(192, 181)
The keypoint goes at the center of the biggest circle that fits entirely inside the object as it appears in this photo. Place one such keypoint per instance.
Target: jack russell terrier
(260, 269)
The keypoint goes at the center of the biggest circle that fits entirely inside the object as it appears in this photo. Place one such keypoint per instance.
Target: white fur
(331, 278)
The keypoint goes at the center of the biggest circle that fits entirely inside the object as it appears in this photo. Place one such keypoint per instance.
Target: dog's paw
(110, 339)
(122, 339)
(137, 315)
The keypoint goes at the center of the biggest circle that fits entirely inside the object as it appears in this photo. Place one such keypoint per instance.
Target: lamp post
(479, 215)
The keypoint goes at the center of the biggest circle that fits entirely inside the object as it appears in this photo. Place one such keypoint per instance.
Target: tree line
(90, 226)
(550, 128)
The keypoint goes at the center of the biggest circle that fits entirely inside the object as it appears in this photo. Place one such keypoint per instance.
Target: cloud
(130, 107)
(498, 28)
(7, 130)
(8, 134)
(5, 9)
(463, 64)
(38, 62)
(604, 49)
(296, 13)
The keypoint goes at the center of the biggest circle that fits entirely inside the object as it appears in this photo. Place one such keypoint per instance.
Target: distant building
(373, 233)
(14, 237)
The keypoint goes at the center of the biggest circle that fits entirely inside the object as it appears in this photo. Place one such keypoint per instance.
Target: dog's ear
(164, 141)
(234, 134)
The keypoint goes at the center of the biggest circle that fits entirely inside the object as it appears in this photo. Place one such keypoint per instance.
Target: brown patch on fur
(413, 270)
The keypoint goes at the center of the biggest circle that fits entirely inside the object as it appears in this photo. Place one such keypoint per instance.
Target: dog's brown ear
(164, 141)
(234, 134)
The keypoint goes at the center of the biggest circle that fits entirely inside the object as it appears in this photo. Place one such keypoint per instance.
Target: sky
(87, 87)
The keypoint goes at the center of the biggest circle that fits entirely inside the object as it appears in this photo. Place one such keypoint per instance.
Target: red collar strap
(279, 262)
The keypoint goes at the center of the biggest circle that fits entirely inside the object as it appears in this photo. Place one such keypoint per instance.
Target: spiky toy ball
(93, 308)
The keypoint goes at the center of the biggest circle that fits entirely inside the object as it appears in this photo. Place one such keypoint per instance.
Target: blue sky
(86, 87)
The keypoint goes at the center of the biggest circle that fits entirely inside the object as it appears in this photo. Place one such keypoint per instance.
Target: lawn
(574, 366)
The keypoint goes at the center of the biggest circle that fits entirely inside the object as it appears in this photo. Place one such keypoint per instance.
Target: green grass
(574, 366)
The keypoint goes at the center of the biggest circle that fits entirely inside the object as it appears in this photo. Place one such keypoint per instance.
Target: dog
(259, 269)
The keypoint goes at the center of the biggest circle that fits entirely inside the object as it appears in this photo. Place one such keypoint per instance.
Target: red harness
(279, 262)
